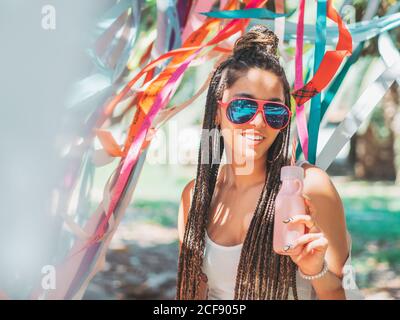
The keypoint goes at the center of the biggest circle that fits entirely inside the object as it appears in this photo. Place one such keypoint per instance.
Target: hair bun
(259, 37)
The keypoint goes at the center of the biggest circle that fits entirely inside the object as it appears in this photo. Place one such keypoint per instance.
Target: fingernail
(287, 247)
(287, 220)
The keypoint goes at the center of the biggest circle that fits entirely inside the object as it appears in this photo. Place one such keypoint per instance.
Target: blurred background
(141, 262)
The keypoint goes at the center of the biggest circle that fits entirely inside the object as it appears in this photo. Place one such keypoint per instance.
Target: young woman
(226, 214)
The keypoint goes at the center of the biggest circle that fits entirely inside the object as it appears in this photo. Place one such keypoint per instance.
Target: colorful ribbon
(130, 160)
(334, 86)
(280, 29)
(140, 127)
(83, 256)
(315, 109)
(359, 31)
(358, 113)
(301, 120)
(330, 62)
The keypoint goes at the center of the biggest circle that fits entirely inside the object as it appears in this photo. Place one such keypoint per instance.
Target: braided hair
(261, 273)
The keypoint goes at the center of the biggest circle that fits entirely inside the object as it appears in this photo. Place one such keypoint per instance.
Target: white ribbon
(360, 111)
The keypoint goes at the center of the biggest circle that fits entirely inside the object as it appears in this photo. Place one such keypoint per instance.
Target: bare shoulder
(188, 191)
(320, 188)
(187, 195)
(316, 179)
(186, 201)
(184, 207)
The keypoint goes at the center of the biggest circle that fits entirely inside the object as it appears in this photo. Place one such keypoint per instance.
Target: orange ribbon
(330, 62)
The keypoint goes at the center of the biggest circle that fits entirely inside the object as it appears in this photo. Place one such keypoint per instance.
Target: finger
(306, 219)
(304, 239)
(320, 245)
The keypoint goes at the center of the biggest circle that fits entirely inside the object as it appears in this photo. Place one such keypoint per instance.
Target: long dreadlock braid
(261, 273)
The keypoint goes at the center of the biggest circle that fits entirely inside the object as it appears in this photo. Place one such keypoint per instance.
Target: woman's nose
(258, 120)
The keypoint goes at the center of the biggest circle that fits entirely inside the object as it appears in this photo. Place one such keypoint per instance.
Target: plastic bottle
(288, 203)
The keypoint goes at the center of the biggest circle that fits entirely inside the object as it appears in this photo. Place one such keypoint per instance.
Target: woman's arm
(329, 217)
(327, 236)
(186, 200)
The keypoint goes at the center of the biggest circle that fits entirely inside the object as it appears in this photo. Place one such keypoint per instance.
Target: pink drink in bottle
(289, 202)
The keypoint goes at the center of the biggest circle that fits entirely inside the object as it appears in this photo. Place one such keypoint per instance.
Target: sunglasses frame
(260, 107)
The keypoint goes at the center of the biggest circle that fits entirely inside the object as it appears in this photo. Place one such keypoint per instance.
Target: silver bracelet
(315, 276)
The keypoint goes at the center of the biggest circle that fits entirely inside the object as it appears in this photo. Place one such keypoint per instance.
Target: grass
(373, 220)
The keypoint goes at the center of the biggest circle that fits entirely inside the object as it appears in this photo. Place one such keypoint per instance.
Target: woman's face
(239, 138)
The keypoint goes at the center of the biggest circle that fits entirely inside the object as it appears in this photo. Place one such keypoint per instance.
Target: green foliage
(373, 222)
(163, 213)
(382, 131)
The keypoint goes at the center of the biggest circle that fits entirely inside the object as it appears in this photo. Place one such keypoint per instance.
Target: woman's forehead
(261, 84)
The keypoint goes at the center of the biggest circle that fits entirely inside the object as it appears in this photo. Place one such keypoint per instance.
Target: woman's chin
(251, 154)
(248, 152)
(254, 151)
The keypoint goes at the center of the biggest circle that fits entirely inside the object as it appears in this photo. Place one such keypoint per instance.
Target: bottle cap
(292, 173)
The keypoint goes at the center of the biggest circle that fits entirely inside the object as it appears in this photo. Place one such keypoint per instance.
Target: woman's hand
(314, 244)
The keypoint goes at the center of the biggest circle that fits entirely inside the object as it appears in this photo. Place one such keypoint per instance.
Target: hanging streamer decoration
(315, 109)
(152, 99)
(334, 86)
(301, 120)
(328, 66)
(358, 114)
(368, 100)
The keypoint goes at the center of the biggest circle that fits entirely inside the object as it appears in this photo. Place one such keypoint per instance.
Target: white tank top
(220, 265)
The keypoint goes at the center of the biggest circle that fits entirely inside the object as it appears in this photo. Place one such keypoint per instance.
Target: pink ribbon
(301, 120)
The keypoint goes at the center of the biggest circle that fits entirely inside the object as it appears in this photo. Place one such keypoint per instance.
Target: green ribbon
(315, 112)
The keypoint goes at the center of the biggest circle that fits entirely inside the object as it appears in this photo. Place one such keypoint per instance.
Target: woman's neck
(242, 176)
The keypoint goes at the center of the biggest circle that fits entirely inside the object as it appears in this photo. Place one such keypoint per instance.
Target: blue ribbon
(315, 112)
(254, 13)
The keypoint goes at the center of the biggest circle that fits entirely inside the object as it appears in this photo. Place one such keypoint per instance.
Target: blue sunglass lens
(277, 115)
(241, 110)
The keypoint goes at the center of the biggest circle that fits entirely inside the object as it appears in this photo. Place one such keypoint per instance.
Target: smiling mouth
(253, 137)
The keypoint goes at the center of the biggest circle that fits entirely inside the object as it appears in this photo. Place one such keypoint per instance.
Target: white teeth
(253, 137)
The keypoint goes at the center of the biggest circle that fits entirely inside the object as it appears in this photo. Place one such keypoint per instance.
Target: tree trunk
(377, 150)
